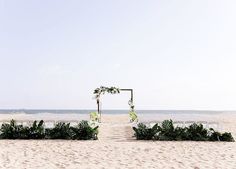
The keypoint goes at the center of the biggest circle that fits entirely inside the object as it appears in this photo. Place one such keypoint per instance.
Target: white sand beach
(116, 148)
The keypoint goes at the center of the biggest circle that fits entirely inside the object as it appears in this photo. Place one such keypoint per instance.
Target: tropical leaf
(167, 132)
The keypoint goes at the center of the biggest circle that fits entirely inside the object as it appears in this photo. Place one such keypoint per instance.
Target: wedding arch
(111, 90)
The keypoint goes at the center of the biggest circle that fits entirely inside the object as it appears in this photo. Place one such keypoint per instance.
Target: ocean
(87, 111)
(143, 115)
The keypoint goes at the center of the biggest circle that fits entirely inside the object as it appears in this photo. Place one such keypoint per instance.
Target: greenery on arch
(102, 90)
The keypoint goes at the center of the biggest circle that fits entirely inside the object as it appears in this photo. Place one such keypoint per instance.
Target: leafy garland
(103, 90)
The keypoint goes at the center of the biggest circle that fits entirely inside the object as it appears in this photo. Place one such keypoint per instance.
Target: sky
(174, 54)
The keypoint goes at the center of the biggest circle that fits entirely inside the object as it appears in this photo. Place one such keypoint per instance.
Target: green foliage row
(167, 132)
(82, 131)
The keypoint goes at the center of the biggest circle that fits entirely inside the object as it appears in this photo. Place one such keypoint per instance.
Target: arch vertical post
(131, 102)
(99, 111)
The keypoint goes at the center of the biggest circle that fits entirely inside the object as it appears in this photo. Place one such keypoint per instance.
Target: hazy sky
(174, 54)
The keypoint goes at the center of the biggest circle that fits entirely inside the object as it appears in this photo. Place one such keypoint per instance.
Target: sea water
(143, 115)
(87, 111)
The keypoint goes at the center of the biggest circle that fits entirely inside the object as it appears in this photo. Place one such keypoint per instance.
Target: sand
(116, 148)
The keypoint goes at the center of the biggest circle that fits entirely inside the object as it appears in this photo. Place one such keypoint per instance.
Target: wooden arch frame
(112, 90)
